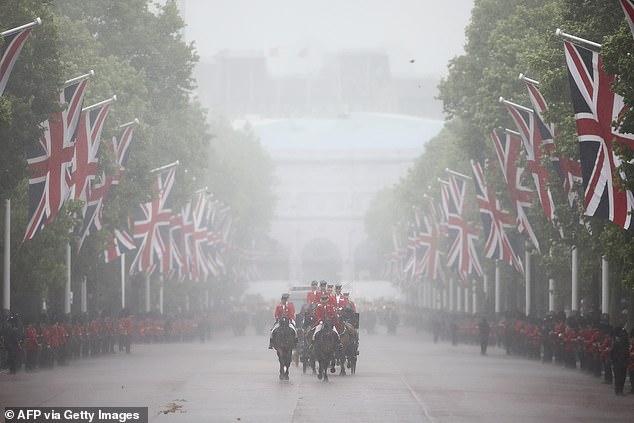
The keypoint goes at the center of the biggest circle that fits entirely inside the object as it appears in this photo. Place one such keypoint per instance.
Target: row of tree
(503, 39)
(137, 51)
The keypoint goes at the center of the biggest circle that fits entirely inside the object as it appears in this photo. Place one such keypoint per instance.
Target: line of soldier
(44, 345)
(594, 347)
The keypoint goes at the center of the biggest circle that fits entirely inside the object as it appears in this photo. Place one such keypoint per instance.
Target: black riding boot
(270, 343)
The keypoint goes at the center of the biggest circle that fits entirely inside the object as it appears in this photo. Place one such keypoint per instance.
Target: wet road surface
(402, 378)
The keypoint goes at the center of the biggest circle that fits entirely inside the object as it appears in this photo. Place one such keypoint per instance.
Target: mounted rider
(325, 311)
(285, 309)
(312, 297)
(339, 299)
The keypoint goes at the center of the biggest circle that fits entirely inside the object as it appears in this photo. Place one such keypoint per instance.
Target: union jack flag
(176, 257)
(93, 212)
(533, 132)
(412, 251)
(508, 152)
(569, 170)
(12, 43)
(461, 236)
(430, 238)
(120, 243)
(50, 159)
(596, 107)
(494, 221)
(87, 144)
(628, 8)
(151, 224)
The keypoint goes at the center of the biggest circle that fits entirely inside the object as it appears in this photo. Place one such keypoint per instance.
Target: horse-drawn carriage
(328, 349)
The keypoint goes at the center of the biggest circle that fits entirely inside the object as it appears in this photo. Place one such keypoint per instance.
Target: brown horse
(325, 349)
(350, 343)
(283, 341)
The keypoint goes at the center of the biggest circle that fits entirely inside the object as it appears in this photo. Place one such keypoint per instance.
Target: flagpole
(90, 74)
(574, 306)
(131, 123)
(37, 21)
(6, 292)
(462, 175)
(147, 293)
(527, 276)
(523, 77)
(101, 103)
(577, 40)
(122, 271)
(68, 277)
(497, 288)
(605, 286)
(519, 106)
(165, 167)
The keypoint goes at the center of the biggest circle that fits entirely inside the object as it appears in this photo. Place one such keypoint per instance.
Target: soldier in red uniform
(331, 295)
(32, 347)
(323, 290)
(324, 312)
(284, 309)
(125, 332)
(338, 296)
(311, 296)
(348, 303)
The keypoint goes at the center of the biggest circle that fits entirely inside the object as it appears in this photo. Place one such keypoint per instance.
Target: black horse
(325, 348)
(283, 342)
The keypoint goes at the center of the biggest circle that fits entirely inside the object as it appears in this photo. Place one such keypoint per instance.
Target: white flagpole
(498, 290)
(68, 278)
(84, 295)
(527, 275)
(575, 280)
(37, 21)
(122, 270)
(576, 40)
(605, 286)
(147, 294)
(6, 292)
(101, 103)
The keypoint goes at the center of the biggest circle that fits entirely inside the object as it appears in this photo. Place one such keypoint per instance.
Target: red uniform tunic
(312, 297)
(285, 310)
(326, 312)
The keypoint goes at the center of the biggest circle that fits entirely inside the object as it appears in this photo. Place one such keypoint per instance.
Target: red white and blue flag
(120, 243)
(93, 214)
(151, 227)
(596, 107)
(87, 144)
(568, 170)
(50, 159)
(533, 132)
(507, 149)
(430, 238)
(462, 254)
(494, 221)
(12, 42)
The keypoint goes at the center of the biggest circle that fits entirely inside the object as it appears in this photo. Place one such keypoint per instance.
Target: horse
(350, 344)
(325, 349)
(283, 341)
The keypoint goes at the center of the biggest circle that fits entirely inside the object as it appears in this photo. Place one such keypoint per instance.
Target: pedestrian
(484, 335)
(620, 356)
(13, 345)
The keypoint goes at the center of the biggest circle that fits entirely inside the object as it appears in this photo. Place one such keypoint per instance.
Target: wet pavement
(401, 378)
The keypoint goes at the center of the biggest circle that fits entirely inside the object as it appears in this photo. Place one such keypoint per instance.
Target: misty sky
(295, 34)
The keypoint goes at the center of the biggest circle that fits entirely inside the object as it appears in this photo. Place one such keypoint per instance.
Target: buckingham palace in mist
(336, 137)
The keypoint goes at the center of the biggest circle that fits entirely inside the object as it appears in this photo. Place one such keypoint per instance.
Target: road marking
(415, 396)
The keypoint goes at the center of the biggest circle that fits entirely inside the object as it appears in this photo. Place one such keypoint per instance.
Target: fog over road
(402, 378)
